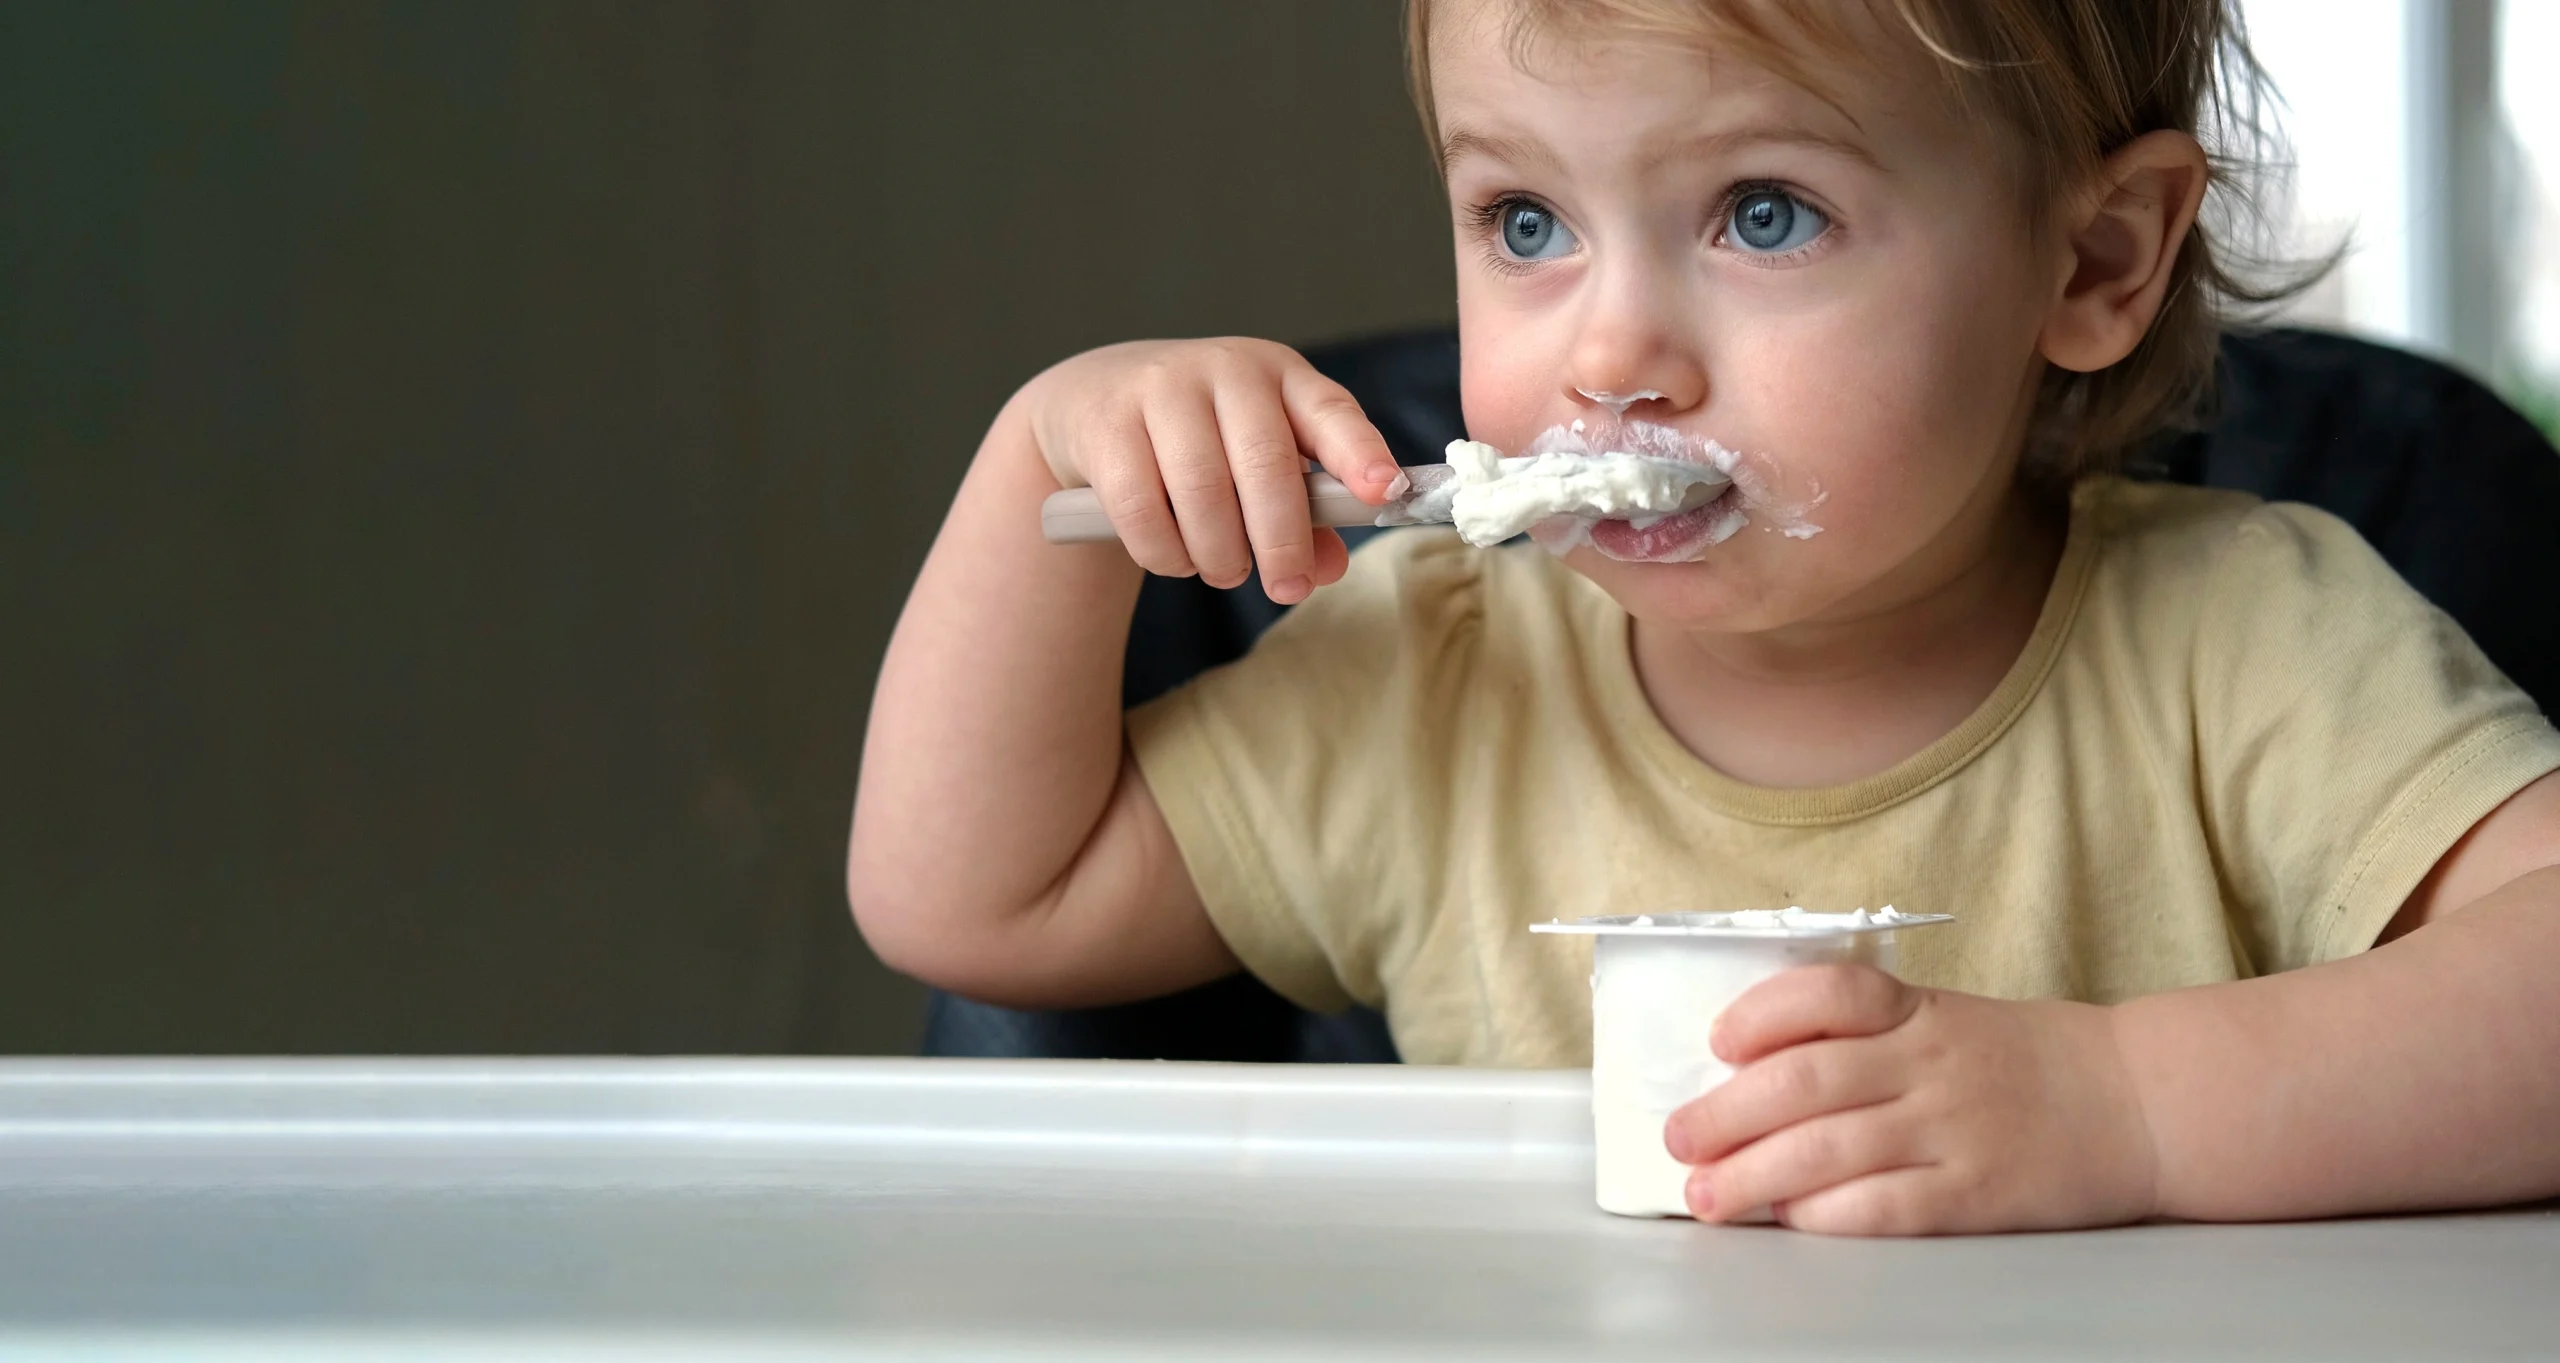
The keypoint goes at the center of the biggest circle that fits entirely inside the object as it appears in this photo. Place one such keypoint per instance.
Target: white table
(751, 1209)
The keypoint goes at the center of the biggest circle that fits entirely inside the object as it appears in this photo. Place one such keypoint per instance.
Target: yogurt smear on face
(1494, 498)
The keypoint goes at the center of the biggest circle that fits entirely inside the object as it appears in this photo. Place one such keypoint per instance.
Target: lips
(1684, 538)
(1673, 539)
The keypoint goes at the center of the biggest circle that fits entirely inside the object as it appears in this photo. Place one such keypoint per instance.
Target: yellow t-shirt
(2234, 744)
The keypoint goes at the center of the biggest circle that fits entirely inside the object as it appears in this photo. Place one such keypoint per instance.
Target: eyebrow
(1531, 152)
(1517, 150)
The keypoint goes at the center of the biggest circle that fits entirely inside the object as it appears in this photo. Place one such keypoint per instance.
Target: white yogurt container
(1658, 984)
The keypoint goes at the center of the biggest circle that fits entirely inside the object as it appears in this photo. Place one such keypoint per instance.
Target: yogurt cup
(1658, 984)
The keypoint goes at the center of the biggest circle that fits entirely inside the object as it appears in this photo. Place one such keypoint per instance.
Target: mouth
(1681, 538)
(1672, 539)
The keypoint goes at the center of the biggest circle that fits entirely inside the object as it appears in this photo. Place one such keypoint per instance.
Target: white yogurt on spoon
(1493, 498)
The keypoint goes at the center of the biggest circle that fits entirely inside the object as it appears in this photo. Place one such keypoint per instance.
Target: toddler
(2255, 858)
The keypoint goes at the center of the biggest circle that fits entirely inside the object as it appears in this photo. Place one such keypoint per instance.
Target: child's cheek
(1786, 422)
(1512, 357)
(1505, 403)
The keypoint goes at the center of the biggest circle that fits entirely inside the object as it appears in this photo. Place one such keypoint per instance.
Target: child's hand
(1195, 448)
(1866, 1106)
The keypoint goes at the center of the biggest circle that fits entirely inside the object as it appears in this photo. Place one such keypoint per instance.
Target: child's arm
(2424, 1073)
(1004, 846)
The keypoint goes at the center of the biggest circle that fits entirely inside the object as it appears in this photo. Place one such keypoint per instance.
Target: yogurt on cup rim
(1658, 984)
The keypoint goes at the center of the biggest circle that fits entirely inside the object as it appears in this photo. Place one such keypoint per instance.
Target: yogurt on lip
(1614, 487)
(1494, 498)
(1658, 984)
(1677, 539)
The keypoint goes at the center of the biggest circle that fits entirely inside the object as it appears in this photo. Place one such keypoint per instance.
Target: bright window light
(2528, 37)
(2446, 190)
(2337, 65)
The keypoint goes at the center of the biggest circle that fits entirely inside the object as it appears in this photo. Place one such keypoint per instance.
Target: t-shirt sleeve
(1297, 780)
(2348, 734)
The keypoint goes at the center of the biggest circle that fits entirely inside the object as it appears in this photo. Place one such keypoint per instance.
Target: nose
(1631, 355)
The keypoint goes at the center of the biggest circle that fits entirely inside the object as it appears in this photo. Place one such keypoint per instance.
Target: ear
(2120, 245)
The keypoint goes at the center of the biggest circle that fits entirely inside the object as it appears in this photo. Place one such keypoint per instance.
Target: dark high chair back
(2460, 493)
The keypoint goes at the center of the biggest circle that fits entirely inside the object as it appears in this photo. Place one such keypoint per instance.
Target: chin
(1709, 594)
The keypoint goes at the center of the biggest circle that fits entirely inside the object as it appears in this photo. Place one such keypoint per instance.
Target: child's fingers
(1192, 459)
(1333, 557)
(1770, 1095)
(1114, 452)
(1803, 1161)
(1900, 1201)
(1262, 451)
(1810, 1003)
(1337, 434)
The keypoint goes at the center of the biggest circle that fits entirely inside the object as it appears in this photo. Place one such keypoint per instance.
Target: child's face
(1851, 297)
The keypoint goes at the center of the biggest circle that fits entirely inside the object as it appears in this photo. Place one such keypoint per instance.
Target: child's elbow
(885, 913)
(915, 933)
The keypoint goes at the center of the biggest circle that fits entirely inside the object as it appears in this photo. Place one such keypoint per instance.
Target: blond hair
(2073, 80)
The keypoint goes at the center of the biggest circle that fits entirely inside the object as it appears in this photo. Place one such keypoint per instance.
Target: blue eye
(1532, 232)
(1767, 221)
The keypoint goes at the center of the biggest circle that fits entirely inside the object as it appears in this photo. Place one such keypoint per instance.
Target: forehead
(1849, 68)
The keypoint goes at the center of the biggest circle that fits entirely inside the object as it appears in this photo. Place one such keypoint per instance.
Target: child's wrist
(1013, 441)
(2151, 1178)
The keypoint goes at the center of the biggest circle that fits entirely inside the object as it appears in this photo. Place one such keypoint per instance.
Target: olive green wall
(459, 464)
